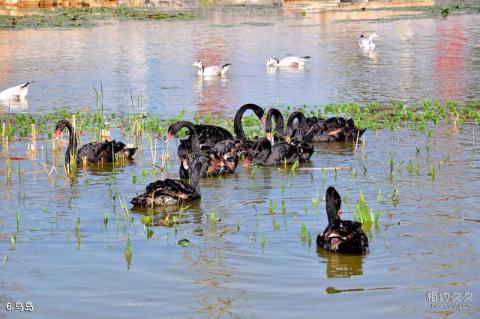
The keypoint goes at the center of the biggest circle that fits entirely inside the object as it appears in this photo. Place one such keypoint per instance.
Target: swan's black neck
(196, 174)
(237, 120)
(72, 142)
(300, 132)
(174, 128)
(333, 204)
(279, 122)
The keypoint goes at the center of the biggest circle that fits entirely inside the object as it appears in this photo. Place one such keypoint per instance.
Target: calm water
(437, 58)
(429, 242)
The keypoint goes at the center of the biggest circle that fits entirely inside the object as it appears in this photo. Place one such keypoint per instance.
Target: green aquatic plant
(272, 206)
(364, 214)
(432, 172)
(410, 167)
(303, 232)
(316, 200)
(263, 241)
(13, 241)
(105, 219)
(395, 196)
(128, 253)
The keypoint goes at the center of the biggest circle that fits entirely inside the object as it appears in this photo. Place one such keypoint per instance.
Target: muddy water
(414, 59)
(252, 263)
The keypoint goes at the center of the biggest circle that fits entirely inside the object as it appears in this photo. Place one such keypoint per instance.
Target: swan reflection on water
(341, 265)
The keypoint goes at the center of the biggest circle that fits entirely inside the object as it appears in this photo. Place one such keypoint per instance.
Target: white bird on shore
(213, 70)
(290, 61)
(15, 93)
(366, 41)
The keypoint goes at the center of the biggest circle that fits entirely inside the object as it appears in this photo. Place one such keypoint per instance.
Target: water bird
(15, 93)
(366, 40)
(304, 150)
(289, 61)
(341, 236)
(240, 143)
(216, 164)
(263, 153)
(315, 129)
(171, 191)
(94, 152)
(213, 70)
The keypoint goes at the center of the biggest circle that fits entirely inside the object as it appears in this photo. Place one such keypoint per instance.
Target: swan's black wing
(166, 192)
(209, 135)
(344, 236)
(100, 151)
(304, 151)
(282, 152)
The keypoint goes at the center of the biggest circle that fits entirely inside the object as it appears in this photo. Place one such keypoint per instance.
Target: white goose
(214, 70)
(15, 93)
(290, 61)
(366, 41)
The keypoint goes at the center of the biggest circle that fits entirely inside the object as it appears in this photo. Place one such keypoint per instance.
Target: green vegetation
(372, 116)
(86, 17)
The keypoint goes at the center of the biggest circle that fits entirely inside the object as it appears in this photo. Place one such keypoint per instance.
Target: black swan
(240, 144)
(210, 135)
(216, 164)
(94, 152)
(333, 129)
(263, 153)
(295, 136)
(172, 191)
(341, 236)
(278, 134)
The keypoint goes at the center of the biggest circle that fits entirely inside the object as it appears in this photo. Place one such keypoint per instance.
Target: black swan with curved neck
(333, 129)
(171, 191)
(240, 144)
(341, 236)
(94, 152)
(263, 153)
(209, 135)
(216, 165)
(278, 134)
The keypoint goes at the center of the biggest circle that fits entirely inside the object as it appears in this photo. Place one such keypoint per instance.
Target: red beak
(184, 163)
(246, 162)
(58, 134)
(264, 120)
(169, 137)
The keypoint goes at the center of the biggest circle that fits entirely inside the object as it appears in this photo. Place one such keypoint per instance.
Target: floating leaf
(183, 242)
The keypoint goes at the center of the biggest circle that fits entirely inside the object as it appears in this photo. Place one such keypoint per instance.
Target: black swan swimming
(294, 136)
(333, 129)
(216, 164)
(341, 236)
(240, 144)
(263, 153)
(171, 191)
(94, 152)
(210, 135)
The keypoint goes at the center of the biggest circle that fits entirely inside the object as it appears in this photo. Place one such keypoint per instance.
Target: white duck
(290, 61)
(366, 41)
(213, 70)
(15, 93)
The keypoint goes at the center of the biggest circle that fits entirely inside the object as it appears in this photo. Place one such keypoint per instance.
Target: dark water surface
(428, 243)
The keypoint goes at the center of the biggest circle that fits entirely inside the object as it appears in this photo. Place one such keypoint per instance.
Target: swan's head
(333, 205)
(198, 64)
(272, 62)
(372, 35)
(59, 128)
